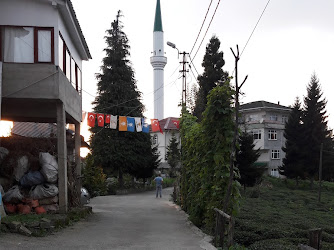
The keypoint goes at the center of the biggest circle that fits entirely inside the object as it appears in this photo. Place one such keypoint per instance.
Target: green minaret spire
(158, 20)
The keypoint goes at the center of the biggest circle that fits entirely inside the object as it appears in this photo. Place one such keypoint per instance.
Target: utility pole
(184, 78)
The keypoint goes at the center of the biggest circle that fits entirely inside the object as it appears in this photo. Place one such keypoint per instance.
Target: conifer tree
(246, 157)
(212, 76)
(315, 126)
(293, 161)
(173, 155)
(119, 152)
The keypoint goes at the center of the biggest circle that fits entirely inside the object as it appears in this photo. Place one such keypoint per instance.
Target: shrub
(93, 178)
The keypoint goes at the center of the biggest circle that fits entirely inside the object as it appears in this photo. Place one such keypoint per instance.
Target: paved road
(138, 221)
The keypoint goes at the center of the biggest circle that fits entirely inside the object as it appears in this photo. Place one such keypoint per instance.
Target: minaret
(158, 61)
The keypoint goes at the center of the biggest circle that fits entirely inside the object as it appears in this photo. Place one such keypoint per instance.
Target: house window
(253, 118)
(78, 74)
(45, 45)
(272, 135)
(284, 119)
(73, 77)
(274, 172)
(155, 139)
(275, 154)
(27, 44)
(19, 45)
(67, 65)
(257, 134)
(61, 52)
(273, 118)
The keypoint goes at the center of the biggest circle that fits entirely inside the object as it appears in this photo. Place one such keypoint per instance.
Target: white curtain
(44, 46)
(19, 45)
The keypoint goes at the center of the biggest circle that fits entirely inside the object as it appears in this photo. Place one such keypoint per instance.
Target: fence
(221, 219)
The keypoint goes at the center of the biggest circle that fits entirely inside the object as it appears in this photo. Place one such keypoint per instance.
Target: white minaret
(158, 61)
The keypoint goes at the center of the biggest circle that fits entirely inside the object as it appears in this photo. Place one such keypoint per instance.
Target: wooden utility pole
(320, 171)
(235, 135)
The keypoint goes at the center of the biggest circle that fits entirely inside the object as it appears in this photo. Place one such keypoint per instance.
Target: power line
(201, 27)
(207, 29)
(255, 27)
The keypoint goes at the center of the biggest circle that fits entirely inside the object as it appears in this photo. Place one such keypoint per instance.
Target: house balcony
(31, 92)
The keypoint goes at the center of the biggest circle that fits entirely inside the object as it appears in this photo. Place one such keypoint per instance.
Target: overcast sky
(294, 39)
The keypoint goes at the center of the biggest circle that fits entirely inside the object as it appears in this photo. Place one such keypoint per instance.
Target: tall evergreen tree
(212, 76)
(173, 155)
(245, 158)
(119, 152)
(315, 126)
(293, 161)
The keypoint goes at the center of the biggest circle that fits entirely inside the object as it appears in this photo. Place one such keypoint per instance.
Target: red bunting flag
(100, 120)
(176, 123)
(155, 126)
(91, 119)
(107, 120)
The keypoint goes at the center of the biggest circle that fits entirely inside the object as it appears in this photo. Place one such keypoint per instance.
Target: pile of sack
(36, 191)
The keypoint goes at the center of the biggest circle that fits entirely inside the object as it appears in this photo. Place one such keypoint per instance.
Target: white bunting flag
(113, 121)
(139, 127)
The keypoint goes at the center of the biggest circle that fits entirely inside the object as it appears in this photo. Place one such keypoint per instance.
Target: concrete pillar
(77, 157)
(62, 158)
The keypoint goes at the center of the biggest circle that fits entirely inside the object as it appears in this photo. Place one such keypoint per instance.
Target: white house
(168, 128)
(41, 52)
(266, 121)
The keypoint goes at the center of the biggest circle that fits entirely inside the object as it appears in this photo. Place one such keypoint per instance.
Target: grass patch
(282, 214)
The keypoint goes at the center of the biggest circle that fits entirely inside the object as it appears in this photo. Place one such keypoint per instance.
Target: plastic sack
(49, 167)
(3, 153)
(23, 209)
(21, 168)
(13, 195)
(40, 210)
(43, 191)
(32, 178)
(11, 208)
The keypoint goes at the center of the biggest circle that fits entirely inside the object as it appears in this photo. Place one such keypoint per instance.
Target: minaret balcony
(158, 62)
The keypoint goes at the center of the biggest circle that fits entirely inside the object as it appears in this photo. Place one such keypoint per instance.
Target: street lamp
(184, 71)
(174, 47)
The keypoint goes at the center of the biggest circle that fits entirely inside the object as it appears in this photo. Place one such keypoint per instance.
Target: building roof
(64, 10)
(262, 105)
(158, 19)
(167, 124)
(40, 130)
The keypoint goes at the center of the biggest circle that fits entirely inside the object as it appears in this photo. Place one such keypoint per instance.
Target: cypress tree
(315, 126)
(173, 155)
(212, 76)
(246, 157)
(293, 133)
(119, 152)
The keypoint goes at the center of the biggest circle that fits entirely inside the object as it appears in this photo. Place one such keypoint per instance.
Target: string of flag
(124, 123)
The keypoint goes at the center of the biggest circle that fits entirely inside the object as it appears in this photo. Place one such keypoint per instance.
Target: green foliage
(315, 126)
(93, 178)
(212, 76)
(245, 157)
(120, 152)
(173, 155)
(282, 215)
(205, 159)
(293, 133)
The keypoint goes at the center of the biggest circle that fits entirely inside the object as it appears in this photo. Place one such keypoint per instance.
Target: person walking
(158, 184)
